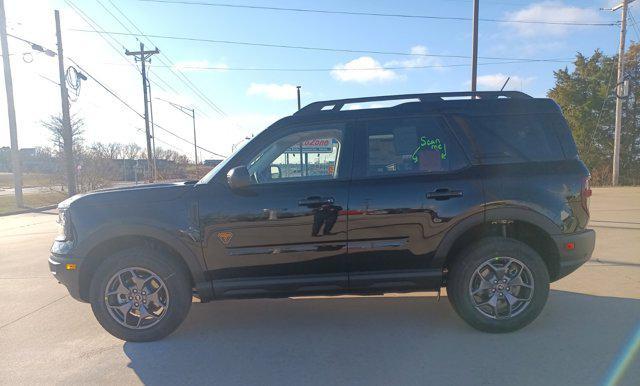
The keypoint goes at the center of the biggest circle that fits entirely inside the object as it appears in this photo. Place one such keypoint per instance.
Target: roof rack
(338, 104)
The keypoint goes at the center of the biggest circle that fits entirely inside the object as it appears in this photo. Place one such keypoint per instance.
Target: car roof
(484, 103)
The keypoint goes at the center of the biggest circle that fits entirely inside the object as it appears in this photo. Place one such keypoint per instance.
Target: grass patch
(35, 200)
(28, 180)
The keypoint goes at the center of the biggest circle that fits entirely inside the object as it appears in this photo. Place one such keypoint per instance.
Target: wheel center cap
(137, 297)
(500, 287)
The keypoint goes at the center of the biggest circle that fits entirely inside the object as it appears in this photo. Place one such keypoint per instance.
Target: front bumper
(574, 249)
(66, 270)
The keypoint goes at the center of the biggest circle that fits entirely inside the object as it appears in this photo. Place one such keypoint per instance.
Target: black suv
(483, 194)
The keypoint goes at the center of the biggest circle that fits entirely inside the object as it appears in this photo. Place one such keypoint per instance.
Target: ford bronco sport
(482, 193)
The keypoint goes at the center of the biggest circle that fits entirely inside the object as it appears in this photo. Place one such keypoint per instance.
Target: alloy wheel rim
(136, 298)
(501, 287)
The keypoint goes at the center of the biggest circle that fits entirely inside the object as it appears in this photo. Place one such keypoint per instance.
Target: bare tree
(55, 127)
(131, 151)
(114, 150)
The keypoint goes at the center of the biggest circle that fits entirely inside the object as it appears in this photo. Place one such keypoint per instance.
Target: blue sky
(252, 99)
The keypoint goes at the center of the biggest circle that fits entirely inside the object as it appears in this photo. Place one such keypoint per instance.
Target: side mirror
(238, 177)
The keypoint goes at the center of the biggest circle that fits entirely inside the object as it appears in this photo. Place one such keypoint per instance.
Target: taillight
(585, 193)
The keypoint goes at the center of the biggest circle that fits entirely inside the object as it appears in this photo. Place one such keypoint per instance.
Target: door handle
(314, 201)
(444, 194)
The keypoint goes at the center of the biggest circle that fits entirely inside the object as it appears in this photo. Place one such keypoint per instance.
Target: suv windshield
(209, 176)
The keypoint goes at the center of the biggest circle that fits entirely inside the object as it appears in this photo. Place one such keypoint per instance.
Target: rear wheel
(498, 284)
(140, 294)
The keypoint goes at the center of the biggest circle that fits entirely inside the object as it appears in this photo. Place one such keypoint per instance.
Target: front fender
(189, 250)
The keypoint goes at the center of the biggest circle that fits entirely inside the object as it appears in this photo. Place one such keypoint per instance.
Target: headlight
(64, 226)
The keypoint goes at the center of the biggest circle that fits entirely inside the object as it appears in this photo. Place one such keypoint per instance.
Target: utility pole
(298, 89)
(474, 47)
(153, 135)
(13, 129)
(619, 91)
(143, 56)
(195, 145)
(67, 135)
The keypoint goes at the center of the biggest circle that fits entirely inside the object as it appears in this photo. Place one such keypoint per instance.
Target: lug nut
(495, 282)
(135, 304)
(130, 297)
(144, 293)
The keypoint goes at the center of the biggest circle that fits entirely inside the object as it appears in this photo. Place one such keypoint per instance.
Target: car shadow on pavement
(404, 340)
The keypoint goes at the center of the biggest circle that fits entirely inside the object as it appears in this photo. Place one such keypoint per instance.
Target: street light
(35, 46)
(235, 145)
(192, 113)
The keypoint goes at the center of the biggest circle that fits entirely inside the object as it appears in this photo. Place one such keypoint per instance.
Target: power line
(128, 30)
(96, 28)
(376, 14)
(136, 111)
(278, 69)
(313, 48)
(634, 24)
(184, 79)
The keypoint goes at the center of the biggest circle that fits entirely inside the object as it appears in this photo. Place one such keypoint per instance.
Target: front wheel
(140, 295)
(498, 284)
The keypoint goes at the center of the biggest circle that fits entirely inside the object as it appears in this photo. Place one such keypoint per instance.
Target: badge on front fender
(225, 237)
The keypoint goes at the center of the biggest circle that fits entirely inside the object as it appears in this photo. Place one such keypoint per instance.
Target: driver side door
(286, 232)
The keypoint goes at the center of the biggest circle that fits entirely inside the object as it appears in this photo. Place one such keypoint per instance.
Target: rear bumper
(571, 259)
(62, 268)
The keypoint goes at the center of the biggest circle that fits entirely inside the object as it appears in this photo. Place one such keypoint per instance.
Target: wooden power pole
(619, 92)
(67, 134)
(143, 56)
(13, 130)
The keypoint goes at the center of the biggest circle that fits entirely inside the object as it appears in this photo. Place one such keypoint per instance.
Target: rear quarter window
(495, 139)
(410, 145)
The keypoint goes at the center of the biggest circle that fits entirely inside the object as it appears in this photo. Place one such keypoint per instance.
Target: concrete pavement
(47, 337)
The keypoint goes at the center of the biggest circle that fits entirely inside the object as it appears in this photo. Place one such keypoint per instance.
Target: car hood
(130, 195)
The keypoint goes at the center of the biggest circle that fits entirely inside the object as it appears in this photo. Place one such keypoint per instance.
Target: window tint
(306, 155)
(510, 138)
(412, 145)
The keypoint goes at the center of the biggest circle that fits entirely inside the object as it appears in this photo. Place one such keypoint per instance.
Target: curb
(29, 210)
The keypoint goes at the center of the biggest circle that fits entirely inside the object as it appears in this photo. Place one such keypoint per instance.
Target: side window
(304, 155)
(413, 145)
(499, 139)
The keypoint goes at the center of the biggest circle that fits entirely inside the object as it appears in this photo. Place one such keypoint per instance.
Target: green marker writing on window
(430, 143)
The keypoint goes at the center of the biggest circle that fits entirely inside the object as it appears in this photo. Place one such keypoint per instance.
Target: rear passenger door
(411, 184)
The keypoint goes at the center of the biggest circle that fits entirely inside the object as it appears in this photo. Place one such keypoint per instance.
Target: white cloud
(495, 81)
(364, 69)
(274, 91)
(199, 65)
(417, 61)
(551, 11)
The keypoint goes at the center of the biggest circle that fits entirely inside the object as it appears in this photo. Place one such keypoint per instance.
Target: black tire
(174, 277)
(459, 283)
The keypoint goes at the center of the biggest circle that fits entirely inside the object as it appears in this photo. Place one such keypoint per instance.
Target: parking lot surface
(584, 336)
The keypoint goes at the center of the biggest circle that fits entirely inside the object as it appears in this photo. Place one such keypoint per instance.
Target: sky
(232, 102)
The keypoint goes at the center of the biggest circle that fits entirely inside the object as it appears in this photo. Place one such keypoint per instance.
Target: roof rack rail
(338, 104)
